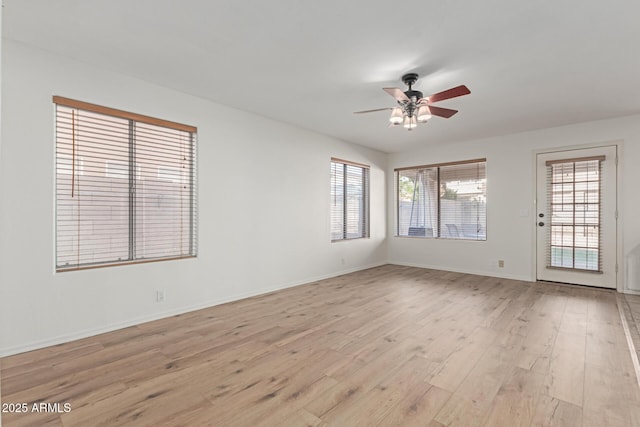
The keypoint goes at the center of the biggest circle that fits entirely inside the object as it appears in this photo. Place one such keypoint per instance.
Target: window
(125, 187)
(575, 212)
(445, 201)
(349, 200)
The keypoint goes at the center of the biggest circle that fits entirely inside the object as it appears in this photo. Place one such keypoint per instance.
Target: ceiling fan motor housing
(413, 93)
(410, 79)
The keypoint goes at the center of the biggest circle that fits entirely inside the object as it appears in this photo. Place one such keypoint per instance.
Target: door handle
(541, 224)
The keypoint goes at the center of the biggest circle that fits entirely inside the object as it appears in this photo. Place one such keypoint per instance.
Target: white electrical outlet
(501, 263)
(159, 296)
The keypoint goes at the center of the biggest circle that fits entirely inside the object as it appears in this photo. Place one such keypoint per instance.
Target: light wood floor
(389, 346)
(630, 305)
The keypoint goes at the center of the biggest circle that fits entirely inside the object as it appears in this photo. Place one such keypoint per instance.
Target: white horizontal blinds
(417, 191)
(445, 200)
(357, 202)
(349, 200)
(337, 201)
(125, 189)
(463, 201)
(164, 193)
(574, 212)
(92, 188)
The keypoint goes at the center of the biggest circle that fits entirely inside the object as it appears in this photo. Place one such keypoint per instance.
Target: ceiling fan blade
(372, 111)
(398, 94)
(449, 93)
(442, 112)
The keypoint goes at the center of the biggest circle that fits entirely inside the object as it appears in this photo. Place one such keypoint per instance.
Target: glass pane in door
(575, 212)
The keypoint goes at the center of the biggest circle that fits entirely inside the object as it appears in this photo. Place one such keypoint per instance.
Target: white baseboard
(465, 270)
(61, 339)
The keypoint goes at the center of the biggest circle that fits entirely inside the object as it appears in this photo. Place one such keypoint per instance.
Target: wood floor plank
(145, 403)
(602, 345)
(516, 400)
(418, 406)
(487, 376)
(565, 379)
(608, 396)
(553, 412)
(387, 346)
(377, 402)
(300, 418)
(537, 346)
(463, 412)
(463, 359)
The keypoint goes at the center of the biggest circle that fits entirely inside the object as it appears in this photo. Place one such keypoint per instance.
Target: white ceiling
(529, 64)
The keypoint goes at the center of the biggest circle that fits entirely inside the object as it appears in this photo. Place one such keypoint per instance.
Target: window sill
(118, 264)
(351, 239)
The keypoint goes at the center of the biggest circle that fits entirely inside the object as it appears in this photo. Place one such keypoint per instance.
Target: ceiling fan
(413, 108)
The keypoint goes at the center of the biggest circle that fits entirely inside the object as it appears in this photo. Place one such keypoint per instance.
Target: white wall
(1, 199)
(510, 191)
(277, 177)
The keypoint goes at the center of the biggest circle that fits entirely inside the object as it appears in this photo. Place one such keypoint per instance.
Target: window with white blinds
(125, 187)
(349, 200)
(444, 201)
(574, 200)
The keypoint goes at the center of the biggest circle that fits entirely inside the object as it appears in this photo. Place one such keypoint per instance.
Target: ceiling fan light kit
(410, 122)
(424, 114)
(397, 116)
(413, 108)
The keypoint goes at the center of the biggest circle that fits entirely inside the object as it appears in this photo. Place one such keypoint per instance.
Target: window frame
(436, 166)
(133, 119)
(365, 201)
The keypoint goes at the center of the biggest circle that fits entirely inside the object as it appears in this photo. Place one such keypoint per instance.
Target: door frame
(619, 274)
